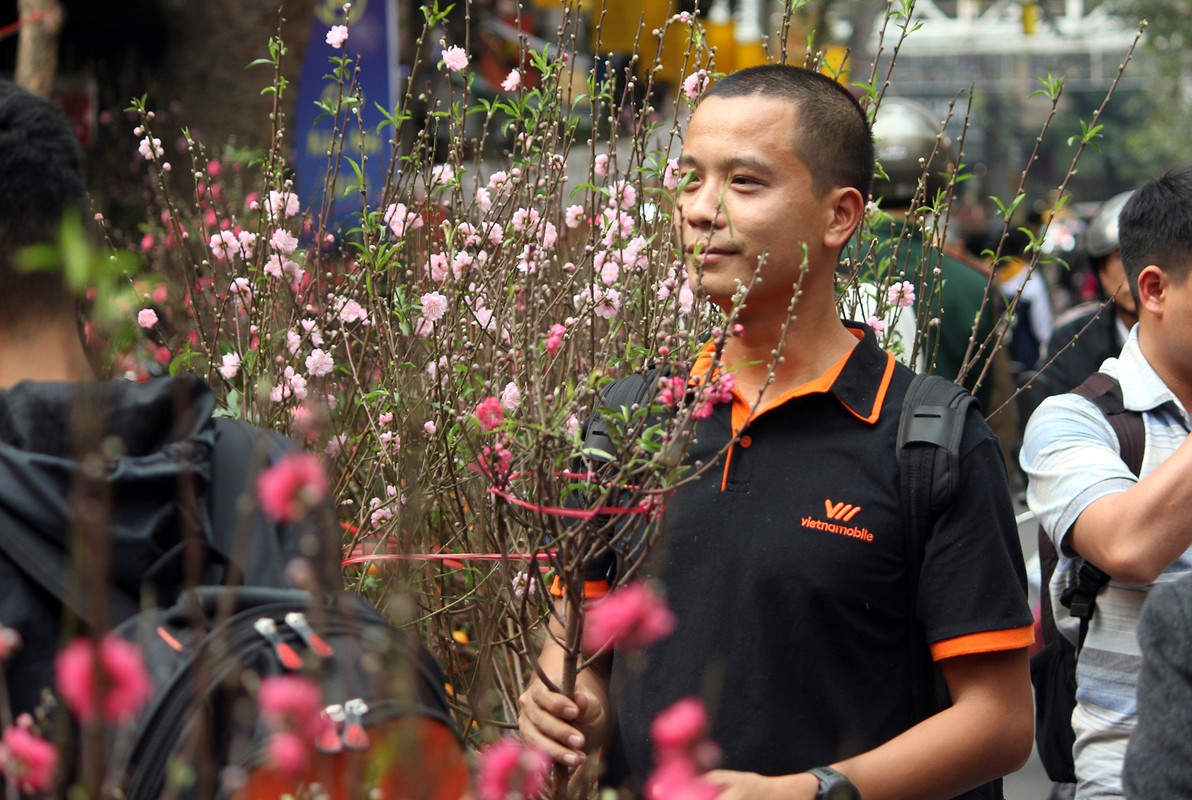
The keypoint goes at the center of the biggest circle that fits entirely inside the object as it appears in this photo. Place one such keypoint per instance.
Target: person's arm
(1159, 758)
(1154, 511)
(986, 733)
(566, 729)
(1080, 488)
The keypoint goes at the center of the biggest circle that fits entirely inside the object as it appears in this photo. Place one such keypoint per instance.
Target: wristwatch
(833, 785)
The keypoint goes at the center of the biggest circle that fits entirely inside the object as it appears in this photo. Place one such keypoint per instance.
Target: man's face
(1113, 279)
(749, 197)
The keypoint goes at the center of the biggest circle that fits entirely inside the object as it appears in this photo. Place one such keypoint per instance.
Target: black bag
(382, 694)
(208, 649)
(1053, 669)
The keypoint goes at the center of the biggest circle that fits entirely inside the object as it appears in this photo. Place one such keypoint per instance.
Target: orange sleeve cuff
(984, 642)
(593, 590)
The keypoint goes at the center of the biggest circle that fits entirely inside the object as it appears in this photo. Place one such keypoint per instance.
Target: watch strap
(834, 785)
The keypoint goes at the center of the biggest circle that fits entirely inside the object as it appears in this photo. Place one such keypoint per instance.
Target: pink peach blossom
(146, 318)
(509, 767)
(629, 618)
(454, 58)
(291, 486)
(126, 683)
(27, 761)
(490, 413)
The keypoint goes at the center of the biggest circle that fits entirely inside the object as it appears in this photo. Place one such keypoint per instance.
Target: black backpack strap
(930, 430)
(241, 535)
(1106, 393)
(627, 392)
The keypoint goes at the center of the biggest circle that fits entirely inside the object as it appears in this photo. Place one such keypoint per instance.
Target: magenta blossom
(490, 412)
(511, 768)
(27, 761)
(292, 486)
(126, 683)
(630, 618)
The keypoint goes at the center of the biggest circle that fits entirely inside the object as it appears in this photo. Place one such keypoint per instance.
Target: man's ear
(847, 207)
(1152, 289)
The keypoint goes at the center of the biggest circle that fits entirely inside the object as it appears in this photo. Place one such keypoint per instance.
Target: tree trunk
(37, 47)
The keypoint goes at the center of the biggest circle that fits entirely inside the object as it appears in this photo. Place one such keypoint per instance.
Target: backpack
(208, 649)
(930, 430)
(1053, 669)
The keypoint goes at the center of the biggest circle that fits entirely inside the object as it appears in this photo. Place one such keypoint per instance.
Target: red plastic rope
(13, 27)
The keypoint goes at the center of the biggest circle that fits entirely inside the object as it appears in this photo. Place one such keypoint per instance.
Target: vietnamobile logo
(839, 512)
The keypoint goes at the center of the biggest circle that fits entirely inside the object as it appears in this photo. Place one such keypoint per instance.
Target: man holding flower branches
(786, 563)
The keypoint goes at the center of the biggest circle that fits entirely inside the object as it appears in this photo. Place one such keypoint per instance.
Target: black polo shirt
(785, 565)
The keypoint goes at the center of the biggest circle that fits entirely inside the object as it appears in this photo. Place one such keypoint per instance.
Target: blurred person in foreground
(159, 436)
(799, 632)
(1134, 528)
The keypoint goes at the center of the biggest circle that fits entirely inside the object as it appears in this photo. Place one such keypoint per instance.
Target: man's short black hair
(833, 136)
(41, 182)
(1155, 227)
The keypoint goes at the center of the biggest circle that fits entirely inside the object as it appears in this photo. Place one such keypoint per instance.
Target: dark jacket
(159, 439)
(1092, 330)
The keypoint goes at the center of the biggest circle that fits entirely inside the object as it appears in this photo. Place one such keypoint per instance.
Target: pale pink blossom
(901, 294)
(434, 306)
(573, 216)
(351, 311)
(401, 220)
(126, 683)
(695, 83)
(335, 445)
(524, 218)
(291, 384)
(572, 426)
(429, 427)
(337, 36)
(283, 241)
(609, 272)
(438, 267)
(27, 761)
(498, 180)
(293, 485)
(600, 165)
(229, 365)
(511, 397)
(454, 58)
(461, 264)
(385, 418)
(248, 243)
(490, 413)
(629, 618)
(878, 324)
(608, 303)
(147, 318)
(319, 363)
(510, 768)
(549, 235)
(390, 442)
(484, 199)
(150, 148)
(442, 174)
(283, 204)
(241, 291)
(224, 245)
(623, 195)
(423, 328)
(670, 175)
(512, 81)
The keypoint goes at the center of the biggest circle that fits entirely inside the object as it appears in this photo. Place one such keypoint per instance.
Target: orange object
(409, 757)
